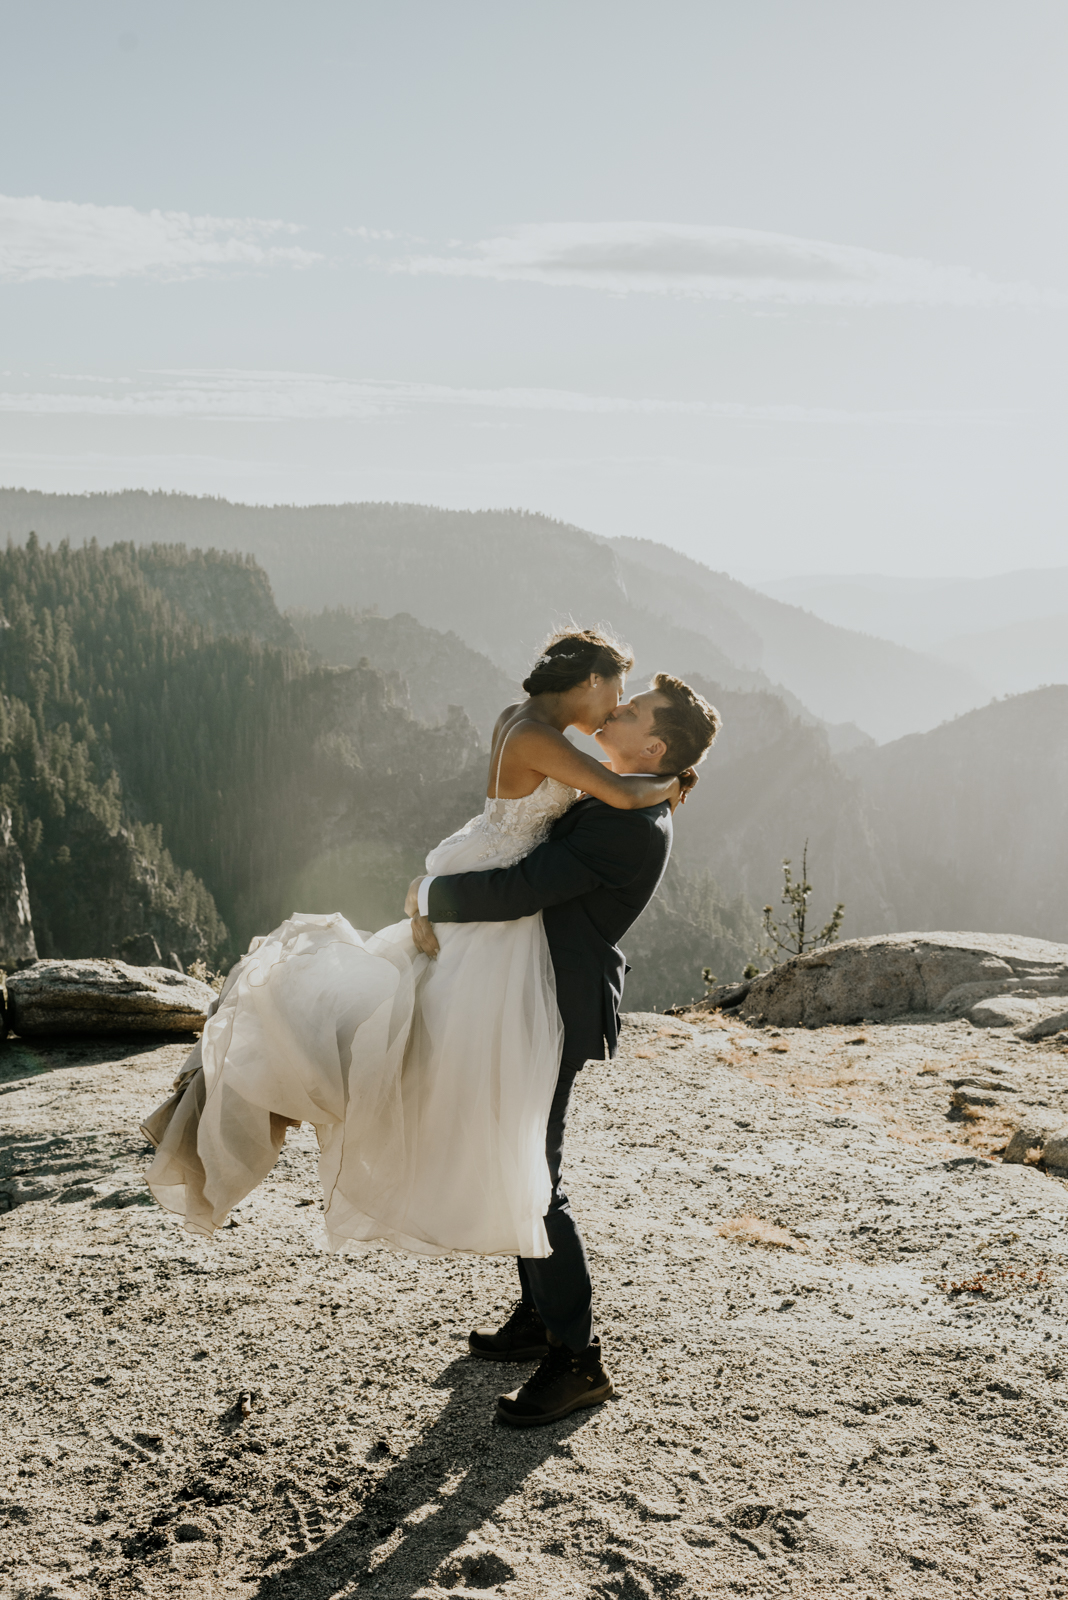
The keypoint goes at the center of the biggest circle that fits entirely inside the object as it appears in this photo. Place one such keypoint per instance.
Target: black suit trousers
(559, 1285)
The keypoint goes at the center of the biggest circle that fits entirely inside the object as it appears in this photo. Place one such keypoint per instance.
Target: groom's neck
(624, 768)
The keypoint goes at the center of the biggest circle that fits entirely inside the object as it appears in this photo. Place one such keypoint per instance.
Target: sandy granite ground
(778, 1220)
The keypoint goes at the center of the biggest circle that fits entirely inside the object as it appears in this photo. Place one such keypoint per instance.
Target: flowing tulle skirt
(428, 1084)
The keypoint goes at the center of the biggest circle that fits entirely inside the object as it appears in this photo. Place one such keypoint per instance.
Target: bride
(428, 1082)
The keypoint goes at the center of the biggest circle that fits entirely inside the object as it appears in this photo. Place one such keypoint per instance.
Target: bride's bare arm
(549, 755)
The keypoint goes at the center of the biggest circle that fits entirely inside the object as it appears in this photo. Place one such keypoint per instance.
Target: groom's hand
(424, 936)
(411, 899)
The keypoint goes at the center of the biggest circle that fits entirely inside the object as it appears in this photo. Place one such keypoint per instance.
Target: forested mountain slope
(971, 820)
(965, 826)
(74, 627)
(132, 739)
(769, 784)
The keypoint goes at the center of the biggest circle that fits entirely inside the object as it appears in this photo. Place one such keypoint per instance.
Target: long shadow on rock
(494, 1462)
(24, 1059)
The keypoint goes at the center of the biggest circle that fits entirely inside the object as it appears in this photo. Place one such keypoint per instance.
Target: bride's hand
(682, 786)
(424, 937)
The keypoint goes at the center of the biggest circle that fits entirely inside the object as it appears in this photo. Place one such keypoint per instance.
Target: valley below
(834, 1317)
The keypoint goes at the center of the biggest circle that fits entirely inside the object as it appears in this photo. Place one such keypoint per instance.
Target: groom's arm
(606, 847)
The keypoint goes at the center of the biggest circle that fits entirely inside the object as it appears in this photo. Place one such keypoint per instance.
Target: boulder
(1055, 1153)
(961, 1000)
(1045, 1028)
(1030, 1137)
(104, 996)
(902, 974)
(724, 996)
(1020, 1010)
(975, 1096)
(987, 1080)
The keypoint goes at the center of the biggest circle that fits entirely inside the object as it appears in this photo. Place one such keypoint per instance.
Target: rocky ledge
(104, 996)
(995, 980)
(836, 1322)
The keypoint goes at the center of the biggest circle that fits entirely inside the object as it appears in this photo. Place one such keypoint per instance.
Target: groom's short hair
(687, 724)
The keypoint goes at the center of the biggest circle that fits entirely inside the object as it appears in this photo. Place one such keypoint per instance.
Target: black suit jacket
(593, 876)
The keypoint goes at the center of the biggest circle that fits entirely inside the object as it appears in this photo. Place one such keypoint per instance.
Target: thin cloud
(227, 395)
(265, 396)
(63, 239)
(738, 264)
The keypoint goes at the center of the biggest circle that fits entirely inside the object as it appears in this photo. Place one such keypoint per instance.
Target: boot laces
(552, 1366)
(523, 1316)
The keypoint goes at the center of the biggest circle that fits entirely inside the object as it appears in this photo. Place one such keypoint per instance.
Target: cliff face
(114, 890)
(16, 923)
(438, 668)
(222, 592)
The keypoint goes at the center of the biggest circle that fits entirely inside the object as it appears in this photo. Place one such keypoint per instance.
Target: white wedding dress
(428, 1083)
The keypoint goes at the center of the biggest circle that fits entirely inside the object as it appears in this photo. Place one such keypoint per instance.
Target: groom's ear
(654, 753)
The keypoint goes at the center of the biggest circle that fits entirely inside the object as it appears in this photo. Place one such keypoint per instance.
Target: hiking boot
(522, 1338)
(564, 1382)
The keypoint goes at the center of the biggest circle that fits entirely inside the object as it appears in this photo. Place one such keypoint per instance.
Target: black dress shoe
(564, 1382)
(522, 1338)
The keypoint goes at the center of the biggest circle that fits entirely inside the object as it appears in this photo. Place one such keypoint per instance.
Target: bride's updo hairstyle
(568, 658)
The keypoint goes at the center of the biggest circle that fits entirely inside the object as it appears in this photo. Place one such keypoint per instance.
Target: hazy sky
(780, 282)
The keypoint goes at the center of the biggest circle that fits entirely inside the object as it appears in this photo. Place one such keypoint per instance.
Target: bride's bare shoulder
(507, 715)
(526, 733)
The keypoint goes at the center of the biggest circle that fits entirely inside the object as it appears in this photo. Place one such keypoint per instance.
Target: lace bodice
(521, 825)
(505, 832)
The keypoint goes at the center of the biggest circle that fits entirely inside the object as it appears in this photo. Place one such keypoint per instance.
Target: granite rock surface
(834, 1315)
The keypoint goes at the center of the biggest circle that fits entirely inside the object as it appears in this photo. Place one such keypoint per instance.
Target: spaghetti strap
(500, 758)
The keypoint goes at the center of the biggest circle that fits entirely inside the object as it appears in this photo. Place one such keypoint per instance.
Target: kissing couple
(436, 1058)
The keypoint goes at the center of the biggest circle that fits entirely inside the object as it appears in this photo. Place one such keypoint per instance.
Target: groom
(591, 879)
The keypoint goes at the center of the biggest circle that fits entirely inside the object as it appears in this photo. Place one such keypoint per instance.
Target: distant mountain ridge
(1016, 656)
(844, 676)
(501, 579)
(923, 613)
